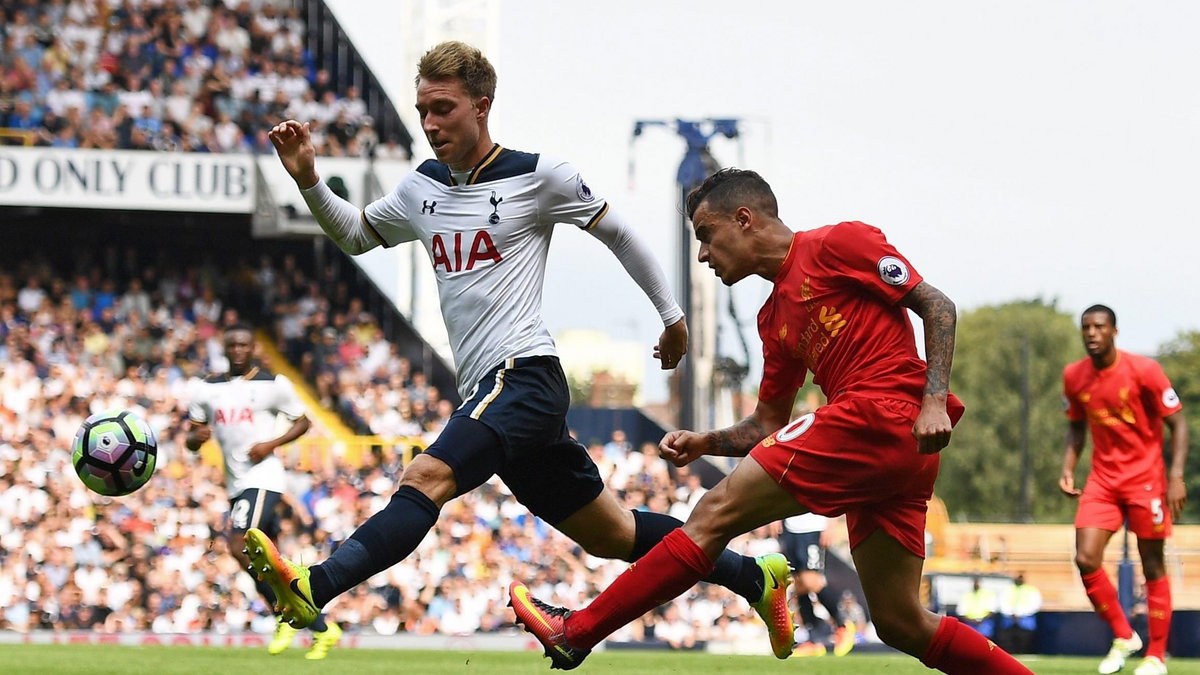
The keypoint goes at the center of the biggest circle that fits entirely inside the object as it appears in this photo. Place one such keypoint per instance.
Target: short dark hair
(238, 326)
(1112, 316)
(728, 189)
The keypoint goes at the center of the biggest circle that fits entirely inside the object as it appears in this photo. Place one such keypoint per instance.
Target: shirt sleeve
(387, 218)
(287, 400)
(1157, 393)
(782, 374)
(639, 262)
(862, 253)
(1071, 405)
(563, 196)
(196, 410)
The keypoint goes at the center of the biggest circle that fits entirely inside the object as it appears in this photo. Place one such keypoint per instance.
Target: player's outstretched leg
(547, 624)
(755, 579)
(323, 641)
(773, 605)
(289, 581)
(284, 635)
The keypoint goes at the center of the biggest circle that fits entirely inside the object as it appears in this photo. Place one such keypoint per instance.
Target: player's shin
(1158, 604)
(956, 649)
(384, 540)
(1103, 596)
(738, 573)
(669, 569)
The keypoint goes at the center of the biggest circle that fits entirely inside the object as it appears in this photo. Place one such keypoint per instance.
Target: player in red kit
(838, 309)
(1125, 399)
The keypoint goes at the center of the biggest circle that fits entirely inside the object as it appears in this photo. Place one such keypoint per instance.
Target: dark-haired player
(1125, 400)
(241, 408)
(838, 309)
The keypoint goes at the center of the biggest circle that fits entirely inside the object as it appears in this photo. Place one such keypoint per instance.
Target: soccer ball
(114, 452)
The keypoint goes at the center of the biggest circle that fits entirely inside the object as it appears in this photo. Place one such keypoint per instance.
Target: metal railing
(25, 137)
(332, 50)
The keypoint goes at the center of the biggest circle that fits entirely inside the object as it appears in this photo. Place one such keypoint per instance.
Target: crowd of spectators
(188, 75)
(341, 350)
(123, 333)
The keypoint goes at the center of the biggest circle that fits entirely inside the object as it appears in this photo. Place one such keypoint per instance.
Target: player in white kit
(485, 214)
(241, 409)
(803, 541)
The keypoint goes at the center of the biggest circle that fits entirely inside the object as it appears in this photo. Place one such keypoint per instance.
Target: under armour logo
(495, 200)
(428, 206)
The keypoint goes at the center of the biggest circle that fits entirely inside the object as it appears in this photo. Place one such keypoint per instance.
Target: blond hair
(455, 60)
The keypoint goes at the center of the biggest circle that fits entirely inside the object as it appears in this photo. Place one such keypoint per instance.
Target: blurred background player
(485, 215)
(804, 541)
(838, 308)
(1125, 399)
(241, 408)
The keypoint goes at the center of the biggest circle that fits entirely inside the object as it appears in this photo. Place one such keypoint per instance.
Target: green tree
(1180, 358)
(1008, 370)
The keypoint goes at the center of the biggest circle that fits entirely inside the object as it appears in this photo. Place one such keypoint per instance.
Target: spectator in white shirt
(230, 36)
(135, 99)
(196, 17)
(353, 106)
(178, 104)
(229, 135)
(63, 97)
(30, 297)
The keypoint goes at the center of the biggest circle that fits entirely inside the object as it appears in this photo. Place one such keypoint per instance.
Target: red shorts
(1107, 508)
(857, 456)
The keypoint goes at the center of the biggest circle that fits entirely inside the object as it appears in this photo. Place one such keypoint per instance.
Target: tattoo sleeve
(737, 440)
(939, 317)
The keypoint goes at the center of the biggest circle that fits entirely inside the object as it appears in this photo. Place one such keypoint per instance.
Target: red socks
(1158, 604)
(669, 569)
(957, 649)
(1104, 598)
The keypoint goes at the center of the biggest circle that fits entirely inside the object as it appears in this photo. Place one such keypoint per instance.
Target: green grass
(99, 659)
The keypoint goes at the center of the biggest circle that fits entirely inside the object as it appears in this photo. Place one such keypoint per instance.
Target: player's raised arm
(340, 219)
(564, 197)
(293, 144)
(644, 269)
(939, 317)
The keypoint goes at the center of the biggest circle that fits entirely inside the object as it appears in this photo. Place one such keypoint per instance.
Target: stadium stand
(190, 76)
(126, 324)
(1045, 552)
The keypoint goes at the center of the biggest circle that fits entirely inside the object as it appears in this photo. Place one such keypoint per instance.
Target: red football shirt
(834, 311)
(1124, 405)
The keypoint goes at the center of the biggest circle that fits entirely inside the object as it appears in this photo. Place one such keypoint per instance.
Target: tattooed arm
(682, 447)
(938, 315)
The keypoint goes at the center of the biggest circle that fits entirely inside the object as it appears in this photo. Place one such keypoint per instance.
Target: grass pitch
(101, 659)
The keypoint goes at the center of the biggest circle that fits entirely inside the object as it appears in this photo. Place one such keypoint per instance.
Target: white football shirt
(243, 411)
(805, 522)
(488, 239)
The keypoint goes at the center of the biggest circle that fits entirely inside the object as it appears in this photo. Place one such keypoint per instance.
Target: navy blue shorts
(255, 508)
(803, 551)
(515, 426)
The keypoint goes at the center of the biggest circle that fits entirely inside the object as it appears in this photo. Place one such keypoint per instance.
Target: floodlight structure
(697, 164)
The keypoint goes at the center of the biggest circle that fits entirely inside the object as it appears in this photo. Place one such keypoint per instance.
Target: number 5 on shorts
(1156, 511)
